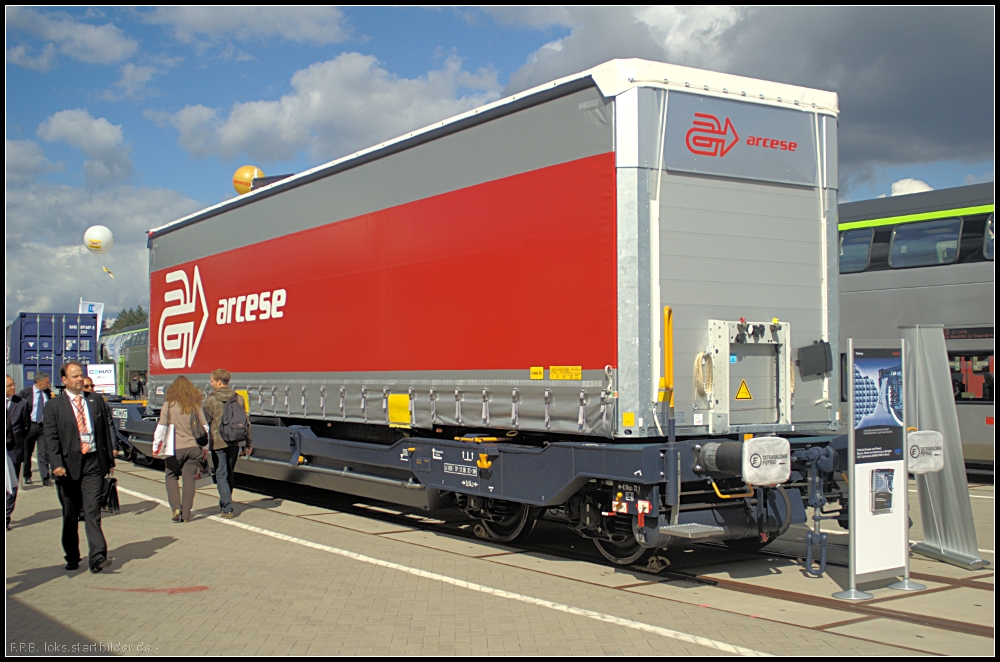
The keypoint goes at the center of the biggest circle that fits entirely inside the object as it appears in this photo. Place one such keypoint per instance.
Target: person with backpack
(226, 412)
(183, 410)
(136, 387)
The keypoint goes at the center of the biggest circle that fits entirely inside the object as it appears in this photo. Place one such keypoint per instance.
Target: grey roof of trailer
(917, 203)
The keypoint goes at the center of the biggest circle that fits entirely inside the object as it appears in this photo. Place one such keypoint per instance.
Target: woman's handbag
(198, 431)
(163, 438)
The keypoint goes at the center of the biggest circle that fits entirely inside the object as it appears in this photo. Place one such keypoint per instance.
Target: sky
(132, 118)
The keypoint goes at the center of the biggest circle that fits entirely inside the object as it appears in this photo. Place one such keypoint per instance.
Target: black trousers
(83, 495)
(35, 436)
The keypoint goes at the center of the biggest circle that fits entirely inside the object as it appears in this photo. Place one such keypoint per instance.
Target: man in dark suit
(17, 423)
(79, 445)
(36, 396)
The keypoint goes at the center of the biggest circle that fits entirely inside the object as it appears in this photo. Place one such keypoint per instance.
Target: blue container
(42, 342)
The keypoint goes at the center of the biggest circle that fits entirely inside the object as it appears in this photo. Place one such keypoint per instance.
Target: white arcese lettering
(251, 307)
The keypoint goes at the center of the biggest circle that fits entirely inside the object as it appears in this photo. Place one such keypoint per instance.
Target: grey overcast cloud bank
(916, 86)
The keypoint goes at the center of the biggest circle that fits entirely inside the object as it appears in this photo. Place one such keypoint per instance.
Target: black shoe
(73, 565)
(46, 482)
(103, 564)
(27, 480)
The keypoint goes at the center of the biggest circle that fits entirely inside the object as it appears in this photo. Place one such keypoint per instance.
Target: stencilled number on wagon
(119, 412)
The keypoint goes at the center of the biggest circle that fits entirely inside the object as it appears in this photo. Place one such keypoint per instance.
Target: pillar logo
(709, 136)
(178, 340)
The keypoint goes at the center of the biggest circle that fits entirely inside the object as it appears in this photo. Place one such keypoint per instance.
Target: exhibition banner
(103, 375)
(877, 478)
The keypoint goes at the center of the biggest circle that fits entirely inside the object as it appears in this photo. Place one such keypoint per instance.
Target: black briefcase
(109, 496)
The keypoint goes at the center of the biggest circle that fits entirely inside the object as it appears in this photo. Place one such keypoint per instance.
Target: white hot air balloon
(98, 239)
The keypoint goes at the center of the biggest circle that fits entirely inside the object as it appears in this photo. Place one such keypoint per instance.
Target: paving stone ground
(207, 587)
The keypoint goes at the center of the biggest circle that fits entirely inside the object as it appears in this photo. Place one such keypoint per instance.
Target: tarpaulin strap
(604, 409)
(458, 406)
(548, 411)
(434, 406)
(513, 408)
(486, 406)
(322, 399)
(274, 400)
(304, 401)
(288, 406)
(260, 398)
(581, 420)
(343, 403)
(413, 406)
(385, 403)
(364, 402)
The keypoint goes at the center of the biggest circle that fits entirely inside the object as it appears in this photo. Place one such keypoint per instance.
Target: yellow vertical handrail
(666, 392)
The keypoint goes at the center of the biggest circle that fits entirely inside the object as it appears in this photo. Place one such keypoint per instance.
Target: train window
(925, 243)
(972, 375)
(988, 238)
(855, 249)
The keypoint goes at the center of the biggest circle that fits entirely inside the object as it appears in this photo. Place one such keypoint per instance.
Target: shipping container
(509, 268)
(43, 342)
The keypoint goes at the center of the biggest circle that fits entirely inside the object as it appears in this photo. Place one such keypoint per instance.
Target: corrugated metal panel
(732, 249)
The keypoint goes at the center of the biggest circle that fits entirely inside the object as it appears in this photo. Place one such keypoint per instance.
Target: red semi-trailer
(508, 311)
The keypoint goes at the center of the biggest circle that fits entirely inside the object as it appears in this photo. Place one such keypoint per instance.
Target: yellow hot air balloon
(244, 176)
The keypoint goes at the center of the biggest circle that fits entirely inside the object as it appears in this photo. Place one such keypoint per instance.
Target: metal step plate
(692, 531)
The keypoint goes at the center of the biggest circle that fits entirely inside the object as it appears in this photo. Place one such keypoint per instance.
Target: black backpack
(233, 428)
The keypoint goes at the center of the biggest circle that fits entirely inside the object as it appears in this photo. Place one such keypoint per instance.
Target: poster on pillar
(878, 480)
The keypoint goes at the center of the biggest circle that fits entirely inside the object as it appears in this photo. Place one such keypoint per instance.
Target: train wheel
(747, 545)
(626, 552)
(517, 520)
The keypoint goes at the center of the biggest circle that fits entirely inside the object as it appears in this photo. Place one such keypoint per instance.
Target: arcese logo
(178, 342)
(710, 137)
(182, 324)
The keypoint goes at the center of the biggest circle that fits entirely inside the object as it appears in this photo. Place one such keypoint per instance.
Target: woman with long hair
(182, 409)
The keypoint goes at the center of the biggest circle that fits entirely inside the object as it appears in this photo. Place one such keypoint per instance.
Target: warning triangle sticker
(744, 392)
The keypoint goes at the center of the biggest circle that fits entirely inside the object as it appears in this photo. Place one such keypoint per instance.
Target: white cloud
(132, 84)
(44, 236)
(24, 161)
(909, 185)
(336, 107)
(681, 35)
(316, 25)
(96, 44)
(20, 56)
(102, 142)
(973, 179)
